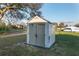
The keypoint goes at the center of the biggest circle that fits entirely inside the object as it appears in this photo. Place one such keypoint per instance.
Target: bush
(3, 27)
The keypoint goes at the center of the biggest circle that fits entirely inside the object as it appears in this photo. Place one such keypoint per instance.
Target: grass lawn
(11, 31)
(67, 44)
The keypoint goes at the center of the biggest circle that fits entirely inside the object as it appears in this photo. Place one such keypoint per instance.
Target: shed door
(40, 35)
(37, 34)
(32, 34)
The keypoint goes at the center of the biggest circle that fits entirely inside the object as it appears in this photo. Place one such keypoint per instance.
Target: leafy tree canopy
(19, 10)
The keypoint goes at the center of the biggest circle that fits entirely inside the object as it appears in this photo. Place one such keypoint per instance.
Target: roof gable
(38, 19)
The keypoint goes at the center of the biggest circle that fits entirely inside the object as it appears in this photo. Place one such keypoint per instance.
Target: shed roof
(38, 19)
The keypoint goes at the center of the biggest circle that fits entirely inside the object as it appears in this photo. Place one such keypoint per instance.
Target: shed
(40, 32)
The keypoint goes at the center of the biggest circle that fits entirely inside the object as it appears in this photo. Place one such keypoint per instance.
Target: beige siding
(37, 19)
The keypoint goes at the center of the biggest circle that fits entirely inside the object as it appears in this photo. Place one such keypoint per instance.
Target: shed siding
(36, 30)
(27, 34)
(32, 32)
(52, 34)
(46, 35)
(47, 42)
(40, 35)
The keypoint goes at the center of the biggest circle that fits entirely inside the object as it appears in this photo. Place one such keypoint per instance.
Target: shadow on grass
(65, 45)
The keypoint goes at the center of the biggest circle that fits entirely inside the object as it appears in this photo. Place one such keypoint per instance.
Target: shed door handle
(36, 35)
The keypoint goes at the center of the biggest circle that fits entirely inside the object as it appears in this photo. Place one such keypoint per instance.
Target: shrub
(3, 27)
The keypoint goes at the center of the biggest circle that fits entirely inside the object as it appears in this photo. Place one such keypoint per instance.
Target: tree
(3, 27)
(14, 9)
(76, 25)
(56, 25)
(35, 9)
(61, 25)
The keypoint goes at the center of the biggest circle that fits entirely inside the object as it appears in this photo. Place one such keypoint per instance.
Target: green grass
(68, 33)
(67, 44)
(11, 40)
(69, 41)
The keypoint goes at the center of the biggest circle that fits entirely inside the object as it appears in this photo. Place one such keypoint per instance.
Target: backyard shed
(40, 32)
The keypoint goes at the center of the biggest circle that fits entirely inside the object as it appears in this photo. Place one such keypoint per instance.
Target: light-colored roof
(38, 19)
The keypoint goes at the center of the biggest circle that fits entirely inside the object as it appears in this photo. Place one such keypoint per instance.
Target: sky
(60, 12)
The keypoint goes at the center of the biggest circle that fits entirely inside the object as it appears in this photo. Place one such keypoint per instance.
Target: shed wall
(36, 34)
(27, 39)
(32, 33)
(47, 42)
(40, 35)
(49, 35)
